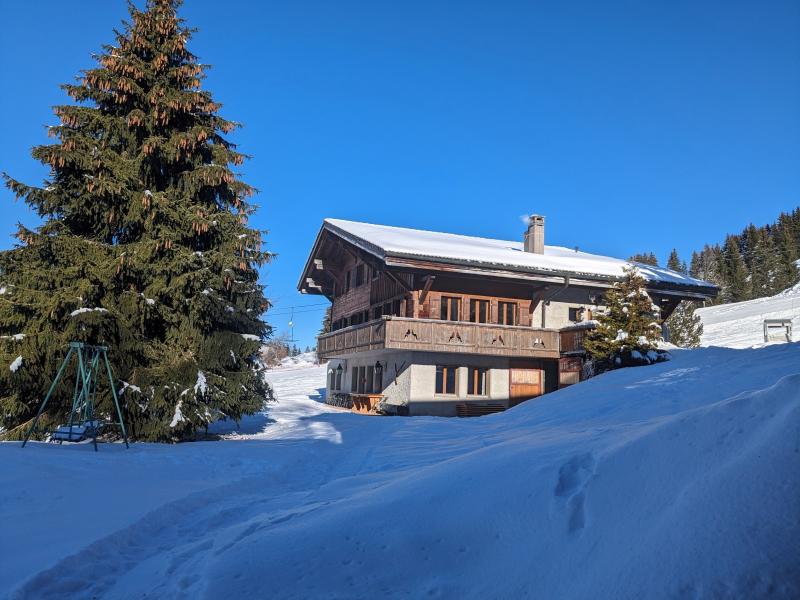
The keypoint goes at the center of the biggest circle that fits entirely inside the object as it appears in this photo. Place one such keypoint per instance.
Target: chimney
(534, 236)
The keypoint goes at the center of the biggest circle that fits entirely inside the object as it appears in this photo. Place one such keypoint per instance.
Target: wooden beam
(397, 280)
(427, 288)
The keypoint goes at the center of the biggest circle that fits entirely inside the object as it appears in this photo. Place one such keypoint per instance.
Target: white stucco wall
(557, 314)
(409, 379)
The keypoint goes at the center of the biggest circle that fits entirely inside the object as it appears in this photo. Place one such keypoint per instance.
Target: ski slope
(680, 479)
(741, 324)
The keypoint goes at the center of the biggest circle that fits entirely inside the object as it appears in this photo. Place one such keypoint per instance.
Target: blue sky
(633, 126)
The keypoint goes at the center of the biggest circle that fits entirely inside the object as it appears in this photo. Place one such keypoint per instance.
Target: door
(525, 383)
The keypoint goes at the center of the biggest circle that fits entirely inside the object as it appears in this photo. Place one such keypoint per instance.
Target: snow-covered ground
(741, 325)
(677, 480)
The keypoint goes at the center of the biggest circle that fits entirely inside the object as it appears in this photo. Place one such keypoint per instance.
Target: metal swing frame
(89, 368)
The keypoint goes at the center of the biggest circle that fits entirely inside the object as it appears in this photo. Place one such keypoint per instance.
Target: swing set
(83, 422)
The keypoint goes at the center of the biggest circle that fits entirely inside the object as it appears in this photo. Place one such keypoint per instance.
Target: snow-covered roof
(387, 241)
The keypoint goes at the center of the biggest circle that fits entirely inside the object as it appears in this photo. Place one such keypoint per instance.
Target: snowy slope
(304, 359)
(676, 480)
(741, 324)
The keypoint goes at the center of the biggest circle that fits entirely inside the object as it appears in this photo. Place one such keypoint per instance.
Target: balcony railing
(573, 337)
(431, 335)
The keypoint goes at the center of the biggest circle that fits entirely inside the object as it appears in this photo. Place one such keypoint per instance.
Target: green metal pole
(74, 403)
(85, 387)
(116, 401)
(47, 398)
(90, 408)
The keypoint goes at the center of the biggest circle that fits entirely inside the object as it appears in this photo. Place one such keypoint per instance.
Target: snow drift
(680, 479)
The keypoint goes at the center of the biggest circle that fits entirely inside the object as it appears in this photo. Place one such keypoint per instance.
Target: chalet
(427, 323)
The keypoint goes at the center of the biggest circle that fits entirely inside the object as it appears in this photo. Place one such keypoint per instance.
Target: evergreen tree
(685, 326)
(695, 266)
(788, 252)
(764, 267)
(648, 258)
(750, 238)
(766, 263)
(628, 331)
(144, 245)
(737, 284)
(674, 262)
(326, 322)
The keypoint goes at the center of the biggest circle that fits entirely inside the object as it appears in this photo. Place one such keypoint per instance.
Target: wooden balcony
(432, 335)
(573, 337)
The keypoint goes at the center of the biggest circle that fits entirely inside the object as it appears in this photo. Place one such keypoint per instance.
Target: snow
(250, 336)
(200, 387)
(126, 386)
(178, 416)
(149, 301)
(80, 311)
(385, 240)
(741, 324)
(680, 479)
(17, 337)
(304, 359)
(3, 290)
(16, 364)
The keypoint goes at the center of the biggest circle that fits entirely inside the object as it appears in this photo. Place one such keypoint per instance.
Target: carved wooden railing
(572, 338)
(432, 335)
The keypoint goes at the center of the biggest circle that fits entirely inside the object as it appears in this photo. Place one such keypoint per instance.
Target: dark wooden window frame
(444, 373)
(505, 310)
(475, 307)
(446, 304)
(476, 376)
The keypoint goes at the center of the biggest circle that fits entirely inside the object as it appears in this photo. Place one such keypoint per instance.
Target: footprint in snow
(573, 477)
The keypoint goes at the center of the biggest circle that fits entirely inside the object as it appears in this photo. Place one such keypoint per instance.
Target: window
(338, 384)
(449, 308)
(476, 384)
(347, 282)
(369, 380)
(361, 275)
(362, 379)
(575, 314)
(479, 311)
(507, 313)
(354, 380)
(446, 380)
(377, 385)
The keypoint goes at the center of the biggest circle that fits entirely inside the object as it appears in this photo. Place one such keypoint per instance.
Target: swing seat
(75, 433)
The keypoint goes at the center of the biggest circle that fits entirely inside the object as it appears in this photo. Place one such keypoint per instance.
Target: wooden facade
(430, 335)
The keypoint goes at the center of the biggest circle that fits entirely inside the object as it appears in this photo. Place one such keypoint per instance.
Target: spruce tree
(326, 322)
(674, 262)
(764, 268)
(145, 245)
(737, 281)
(628, 329)
(788, 252)
(685, 326)
(646, 258)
